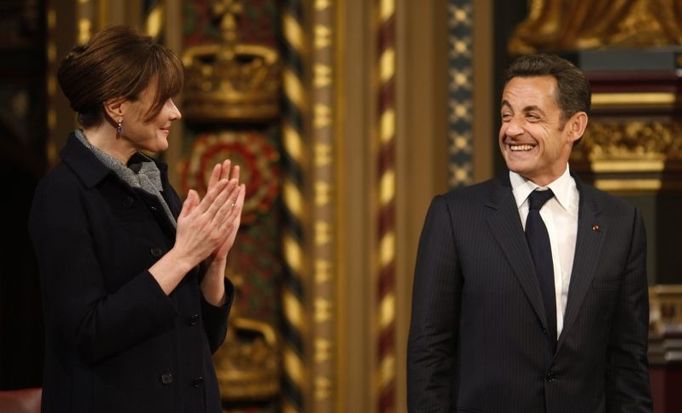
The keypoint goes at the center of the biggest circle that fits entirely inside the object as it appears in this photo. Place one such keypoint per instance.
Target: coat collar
(89, 169)
(505, 225)
(507, 229)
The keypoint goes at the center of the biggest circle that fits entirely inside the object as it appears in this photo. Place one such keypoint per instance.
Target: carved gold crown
(247, 365)
(231, 81)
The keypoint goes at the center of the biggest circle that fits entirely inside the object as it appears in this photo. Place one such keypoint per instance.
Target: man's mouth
(521, 147)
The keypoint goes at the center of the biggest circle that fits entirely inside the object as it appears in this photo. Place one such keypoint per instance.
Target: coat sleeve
(627, 373)
(435, 314)
(86, 318)
(215, 318)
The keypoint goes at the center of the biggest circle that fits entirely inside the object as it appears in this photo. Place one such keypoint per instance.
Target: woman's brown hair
(118, 62)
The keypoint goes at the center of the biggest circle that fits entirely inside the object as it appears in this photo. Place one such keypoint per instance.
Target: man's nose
(513, 127)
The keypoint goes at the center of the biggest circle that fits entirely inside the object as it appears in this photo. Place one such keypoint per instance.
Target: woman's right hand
(201, 229)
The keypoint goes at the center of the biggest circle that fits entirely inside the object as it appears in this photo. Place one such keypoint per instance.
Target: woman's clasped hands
(206, 232)
(207, 227)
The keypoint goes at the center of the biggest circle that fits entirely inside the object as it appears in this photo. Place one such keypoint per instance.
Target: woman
(133, 284)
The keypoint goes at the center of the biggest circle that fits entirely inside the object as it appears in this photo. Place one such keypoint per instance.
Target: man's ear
(577, 125)
(115, 108)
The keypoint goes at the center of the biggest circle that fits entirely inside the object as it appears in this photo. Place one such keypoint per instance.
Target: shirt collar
(564, 188)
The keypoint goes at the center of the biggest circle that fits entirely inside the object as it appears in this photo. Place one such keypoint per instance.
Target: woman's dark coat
(114, 341)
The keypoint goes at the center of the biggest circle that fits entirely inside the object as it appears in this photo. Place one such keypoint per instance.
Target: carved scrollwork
(588, 24)
(630, 140)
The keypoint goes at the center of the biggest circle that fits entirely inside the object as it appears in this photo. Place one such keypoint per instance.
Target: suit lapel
(591, 233)
(506, 227)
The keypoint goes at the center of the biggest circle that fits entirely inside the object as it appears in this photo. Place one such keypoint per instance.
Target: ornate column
(460, 93)
(386, 204)
(294, 295)
(323, 207)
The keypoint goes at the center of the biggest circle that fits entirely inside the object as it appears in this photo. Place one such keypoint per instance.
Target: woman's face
(148, 135)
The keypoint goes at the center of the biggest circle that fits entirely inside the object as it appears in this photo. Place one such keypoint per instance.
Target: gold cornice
(666, 290)
(639, 100)
(627, 165)
(628, 185)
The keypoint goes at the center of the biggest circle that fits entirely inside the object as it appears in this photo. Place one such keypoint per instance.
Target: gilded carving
(588, 24)
(665, 323)
(247, 365)
(637, 139)
(231, 81)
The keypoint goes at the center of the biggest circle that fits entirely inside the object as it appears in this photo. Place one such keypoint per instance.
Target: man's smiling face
(534, 138)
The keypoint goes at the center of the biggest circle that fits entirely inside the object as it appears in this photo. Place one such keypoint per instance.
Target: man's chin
(517, 165)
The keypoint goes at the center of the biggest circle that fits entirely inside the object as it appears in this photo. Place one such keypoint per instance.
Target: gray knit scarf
(145, 175)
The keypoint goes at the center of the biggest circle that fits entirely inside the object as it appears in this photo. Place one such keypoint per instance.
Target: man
(529, 305)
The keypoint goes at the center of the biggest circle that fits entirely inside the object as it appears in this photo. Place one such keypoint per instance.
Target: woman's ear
(115, 108)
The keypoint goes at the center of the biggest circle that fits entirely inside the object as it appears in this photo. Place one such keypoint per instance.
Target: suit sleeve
(435, 314)
(627, 373)
(79, 310)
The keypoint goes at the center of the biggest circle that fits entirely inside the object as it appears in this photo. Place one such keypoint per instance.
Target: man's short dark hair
(573, 89)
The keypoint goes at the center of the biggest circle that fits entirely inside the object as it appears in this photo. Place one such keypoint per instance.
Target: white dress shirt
(560, 215)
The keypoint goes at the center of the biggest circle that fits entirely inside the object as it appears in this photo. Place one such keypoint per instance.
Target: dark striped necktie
(541, 251)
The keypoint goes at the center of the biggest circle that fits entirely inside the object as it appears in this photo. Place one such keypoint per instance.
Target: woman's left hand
(227, 171)
(212, 286)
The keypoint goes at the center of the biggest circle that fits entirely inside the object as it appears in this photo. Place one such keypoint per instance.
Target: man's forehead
(529, 91)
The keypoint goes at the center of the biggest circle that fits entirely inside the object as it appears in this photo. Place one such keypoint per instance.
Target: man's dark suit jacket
(114, 341)
(478, 339)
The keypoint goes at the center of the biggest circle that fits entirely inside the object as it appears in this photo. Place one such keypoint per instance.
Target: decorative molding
(323, 292)
(460, 93)
(641, 100)
(633, 140)
(631, 156)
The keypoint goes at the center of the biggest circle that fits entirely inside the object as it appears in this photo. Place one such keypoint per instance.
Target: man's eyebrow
(532, 108)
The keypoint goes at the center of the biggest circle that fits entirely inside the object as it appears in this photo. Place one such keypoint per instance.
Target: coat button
(550, 376)
(128, 201)
(193, 319)
(166, 378)
(156, 252)
(197, 382)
